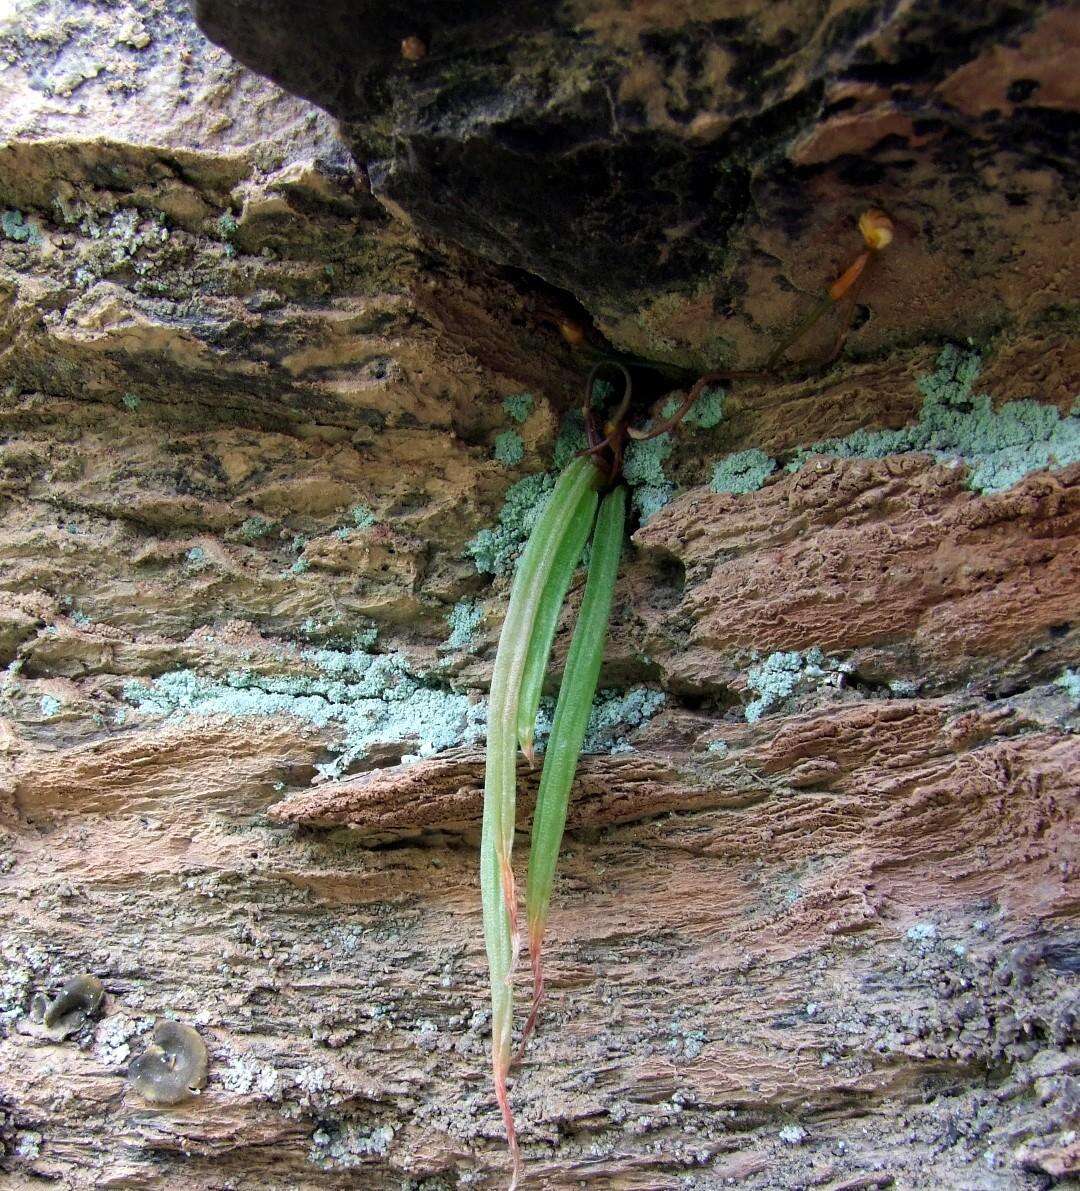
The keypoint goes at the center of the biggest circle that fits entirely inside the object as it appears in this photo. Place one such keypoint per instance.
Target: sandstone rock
(815, 919)
(669, 166)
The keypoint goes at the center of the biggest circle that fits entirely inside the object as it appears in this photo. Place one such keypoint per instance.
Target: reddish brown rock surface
(249, 420)
(887, 557)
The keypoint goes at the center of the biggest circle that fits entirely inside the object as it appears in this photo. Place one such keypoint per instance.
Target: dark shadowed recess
(507, 128)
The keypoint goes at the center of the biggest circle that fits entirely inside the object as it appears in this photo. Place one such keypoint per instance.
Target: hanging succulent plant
(552, 552)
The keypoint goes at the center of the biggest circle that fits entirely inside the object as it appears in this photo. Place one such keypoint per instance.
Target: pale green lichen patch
(1069, 681)
(707, 412)
(125, 241)
(254, 528)
(744, 471)
(999, 447)
(464, 619)
(17, 227)
(361, 516)
(372, 698)
(614, 716)
(509, 449)
(570, 439)
(643, 464)
(363, 639)
(518, 406)
(643, 469)
(494, 551)
(49, 706)
(789, 672)
(344, 1146)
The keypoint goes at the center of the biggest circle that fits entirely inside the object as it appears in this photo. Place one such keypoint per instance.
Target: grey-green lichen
(518, 406)
(643, 464)
(346, 1145)
(15, 226)
(126, 240)
(371, 698)
(49, 706)
(254, 528)
(706, 412)
(787, 672)
(614, 716)
(361, 516)
(570, 439)
(509, 449)
(1069, 681)
(1000, 447)
(744, 471)
(643, 470)
(494, 551)
(464, 619)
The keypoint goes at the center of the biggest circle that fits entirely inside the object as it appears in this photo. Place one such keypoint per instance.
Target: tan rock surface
(248, 425)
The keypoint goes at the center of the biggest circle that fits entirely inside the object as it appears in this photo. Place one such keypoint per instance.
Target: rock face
(279, 397)
(678, 167)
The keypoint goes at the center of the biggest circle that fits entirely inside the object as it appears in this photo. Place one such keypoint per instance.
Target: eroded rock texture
(673, 165)
(268, 382)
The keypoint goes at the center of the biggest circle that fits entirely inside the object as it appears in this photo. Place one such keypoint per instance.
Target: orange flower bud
(413, 49)
(876, 228)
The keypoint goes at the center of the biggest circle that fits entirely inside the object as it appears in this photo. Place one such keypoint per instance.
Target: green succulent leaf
(547, 619)
(575, 487)
(568, 729)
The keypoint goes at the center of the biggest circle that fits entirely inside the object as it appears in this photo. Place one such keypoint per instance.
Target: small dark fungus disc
(77, 1001)
(173, 1067)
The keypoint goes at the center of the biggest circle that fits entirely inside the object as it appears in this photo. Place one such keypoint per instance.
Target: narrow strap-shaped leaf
(547, 619)
(576, 485)
(571, 719)
(534, 567)
(576, 482)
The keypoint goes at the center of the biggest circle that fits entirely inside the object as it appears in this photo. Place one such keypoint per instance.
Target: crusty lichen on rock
(998, 446)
